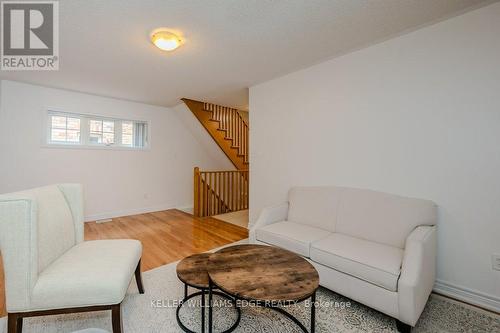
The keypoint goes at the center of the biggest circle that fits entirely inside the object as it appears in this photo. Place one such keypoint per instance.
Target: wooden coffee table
(192, 271)
(265, 276)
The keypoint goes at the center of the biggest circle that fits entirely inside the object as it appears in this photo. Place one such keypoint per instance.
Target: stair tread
(215, 120)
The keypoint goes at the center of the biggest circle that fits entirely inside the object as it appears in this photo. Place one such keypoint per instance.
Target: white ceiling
(230, 44)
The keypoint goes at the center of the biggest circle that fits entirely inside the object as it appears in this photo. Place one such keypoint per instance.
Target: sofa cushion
(373, 262)
(381, 217)
(91, 273)
(292, 236)
(314, 206)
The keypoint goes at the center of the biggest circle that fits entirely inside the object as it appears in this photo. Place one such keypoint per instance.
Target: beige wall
(116, 182)
(418, 115)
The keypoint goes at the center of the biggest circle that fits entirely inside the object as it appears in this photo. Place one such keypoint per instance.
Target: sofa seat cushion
(91, 273)
(292, 236)
(373, 262)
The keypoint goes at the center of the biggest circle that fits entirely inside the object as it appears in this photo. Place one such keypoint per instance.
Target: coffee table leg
(313, 312)
(210, 307)
(185, 290)
(203, 311)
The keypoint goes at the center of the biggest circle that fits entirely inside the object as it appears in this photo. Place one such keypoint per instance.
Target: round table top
(262, 273)
(192, 270)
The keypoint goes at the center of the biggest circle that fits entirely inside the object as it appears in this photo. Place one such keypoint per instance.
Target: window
(64, 129)
(127, 133)
(102, 132)
(134, 134)
(93, 131)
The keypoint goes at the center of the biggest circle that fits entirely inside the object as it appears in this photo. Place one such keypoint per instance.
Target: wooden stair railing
(227, 127)
(219, 192)
(234, 124)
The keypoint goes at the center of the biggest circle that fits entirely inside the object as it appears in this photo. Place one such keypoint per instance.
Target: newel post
(196, 192)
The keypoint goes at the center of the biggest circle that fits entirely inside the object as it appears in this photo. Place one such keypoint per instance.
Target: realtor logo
(30, 35)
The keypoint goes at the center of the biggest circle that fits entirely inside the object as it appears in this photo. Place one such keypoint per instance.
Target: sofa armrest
(418, 273)
(73, 193)
(267, 216)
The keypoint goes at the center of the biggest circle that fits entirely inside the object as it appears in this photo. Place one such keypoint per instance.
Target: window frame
(84, 142)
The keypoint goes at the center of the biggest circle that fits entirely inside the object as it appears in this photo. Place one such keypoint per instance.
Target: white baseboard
(187, 209)
(133, 211)
(467, 295)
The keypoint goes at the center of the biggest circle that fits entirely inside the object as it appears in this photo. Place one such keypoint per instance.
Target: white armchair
(49, 269)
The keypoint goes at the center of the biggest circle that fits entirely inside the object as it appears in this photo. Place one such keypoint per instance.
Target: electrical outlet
(495, 262)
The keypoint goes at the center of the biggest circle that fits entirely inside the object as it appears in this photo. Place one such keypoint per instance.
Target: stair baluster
(218, 192)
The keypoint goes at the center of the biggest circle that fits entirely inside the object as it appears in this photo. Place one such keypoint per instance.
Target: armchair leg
(14, 323)
(15, 320)
(138, 278)
(402, 327)
(116, 318)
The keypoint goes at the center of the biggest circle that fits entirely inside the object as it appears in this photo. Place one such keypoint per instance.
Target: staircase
(223, 191)
(227, 127)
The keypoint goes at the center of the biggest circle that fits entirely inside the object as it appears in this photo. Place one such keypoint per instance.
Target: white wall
(418, 115)
(193, 125)
(116, 182)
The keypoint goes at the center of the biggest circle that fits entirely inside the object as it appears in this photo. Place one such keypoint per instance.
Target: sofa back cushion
(314, 206)
(381, 217)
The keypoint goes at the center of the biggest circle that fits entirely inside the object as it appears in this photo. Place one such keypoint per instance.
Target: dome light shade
(165, 40)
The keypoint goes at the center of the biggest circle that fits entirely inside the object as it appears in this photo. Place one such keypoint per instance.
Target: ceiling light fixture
(165, 40)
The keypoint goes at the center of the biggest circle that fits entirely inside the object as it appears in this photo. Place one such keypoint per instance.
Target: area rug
(155, 312)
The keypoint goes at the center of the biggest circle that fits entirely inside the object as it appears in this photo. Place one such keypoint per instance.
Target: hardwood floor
(239, 218)
(166, 236)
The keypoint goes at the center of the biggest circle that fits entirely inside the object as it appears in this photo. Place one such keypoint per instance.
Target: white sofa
(375, 248)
